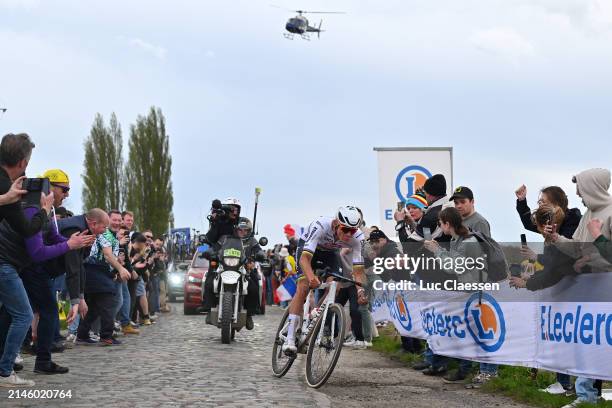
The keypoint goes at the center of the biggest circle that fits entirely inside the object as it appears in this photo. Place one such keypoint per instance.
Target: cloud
(503, 42)
(155, 50)
(19, 4)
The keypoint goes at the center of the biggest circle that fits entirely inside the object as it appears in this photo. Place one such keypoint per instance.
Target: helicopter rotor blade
(320, 12)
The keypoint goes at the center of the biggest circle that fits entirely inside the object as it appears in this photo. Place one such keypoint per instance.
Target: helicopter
(299, 24)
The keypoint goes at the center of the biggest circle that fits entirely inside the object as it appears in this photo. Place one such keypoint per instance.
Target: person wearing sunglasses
(59, 185)
(319, 247)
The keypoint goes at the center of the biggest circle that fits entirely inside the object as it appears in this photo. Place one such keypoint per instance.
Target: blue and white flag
(287, 289)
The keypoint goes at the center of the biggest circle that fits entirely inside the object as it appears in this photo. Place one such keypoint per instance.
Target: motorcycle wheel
(226, 317)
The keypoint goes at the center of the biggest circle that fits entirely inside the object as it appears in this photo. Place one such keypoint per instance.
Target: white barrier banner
(404, 169)
(543, 332)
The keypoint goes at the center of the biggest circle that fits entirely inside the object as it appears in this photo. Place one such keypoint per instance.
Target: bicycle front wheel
(280, 362)
(325, 346)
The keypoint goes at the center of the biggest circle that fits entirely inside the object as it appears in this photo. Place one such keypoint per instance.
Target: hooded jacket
(592, 186)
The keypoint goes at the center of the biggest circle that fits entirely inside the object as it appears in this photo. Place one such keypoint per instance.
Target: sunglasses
(63, 188)
(349, 230)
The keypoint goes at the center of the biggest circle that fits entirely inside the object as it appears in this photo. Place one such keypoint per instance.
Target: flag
(287, 289)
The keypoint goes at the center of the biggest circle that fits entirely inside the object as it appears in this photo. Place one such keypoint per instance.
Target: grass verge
(513, 382)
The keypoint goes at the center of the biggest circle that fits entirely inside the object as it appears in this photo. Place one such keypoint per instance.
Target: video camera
(35, 187)
(222, 211)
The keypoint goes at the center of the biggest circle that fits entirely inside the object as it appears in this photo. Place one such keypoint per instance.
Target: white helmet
(349, 216)
(231, 201)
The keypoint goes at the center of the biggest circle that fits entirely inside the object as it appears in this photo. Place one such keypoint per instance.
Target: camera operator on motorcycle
(225, 220)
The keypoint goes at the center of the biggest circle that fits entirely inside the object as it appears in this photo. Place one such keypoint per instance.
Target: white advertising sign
(402, 170)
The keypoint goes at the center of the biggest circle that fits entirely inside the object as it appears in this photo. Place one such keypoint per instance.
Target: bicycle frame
(308, 324)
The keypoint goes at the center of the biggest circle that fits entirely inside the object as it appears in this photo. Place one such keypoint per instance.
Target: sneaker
(127, 329)
(146, 322)
(71, 338)
(574, 404)
(479, 380)
(134, 325)
(356, 344)
(19, 359)
(555, 389)
(421, 365)
(368, 344)
(290, 349)
(94, 336)
(86, 342)
(153, 317)
(49, 368)
(349, 338)
(570, 391)
(14, 381)
(455, 377)
(117, 326)
(434, 372)
(110, 342)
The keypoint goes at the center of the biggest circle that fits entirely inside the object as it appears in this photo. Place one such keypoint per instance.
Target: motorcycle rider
(224, 221)
(254, 253)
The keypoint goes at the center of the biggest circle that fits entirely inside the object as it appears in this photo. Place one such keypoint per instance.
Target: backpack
(497, 266)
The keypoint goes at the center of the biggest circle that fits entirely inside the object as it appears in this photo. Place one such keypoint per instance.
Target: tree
(149, 171)
(103, 177)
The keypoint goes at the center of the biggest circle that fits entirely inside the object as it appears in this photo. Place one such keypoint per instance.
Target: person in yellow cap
(60, 185)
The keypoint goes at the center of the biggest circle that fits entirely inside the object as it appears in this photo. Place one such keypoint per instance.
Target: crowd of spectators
(112, 277)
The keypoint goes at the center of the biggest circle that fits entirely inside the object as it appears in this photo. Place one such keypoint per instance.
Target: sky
(521, 89)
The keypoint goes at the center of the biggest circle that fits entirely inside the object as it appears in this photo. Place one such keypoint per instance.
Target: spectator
(138, 256)
(36, 275)
(16, 313)
(102, 270)
(128, 220)
(592, 186)
(95, 222)
(288, 270)
(163, 275)
(157, 267)
(462, 245)
(349, 293)
(292, 238)
(126, 299)
(549, 196)
(409, 218)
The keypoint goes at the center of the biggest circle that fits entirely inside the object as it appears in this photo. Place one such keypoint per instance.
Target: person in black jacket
(15, 153)
(223, 220)
(553, 196)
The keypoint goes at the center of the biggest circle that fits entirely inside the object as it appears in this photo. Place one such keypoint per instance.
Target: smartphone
(401, 205)
(515, 270)
(523, 240)
(427, 234)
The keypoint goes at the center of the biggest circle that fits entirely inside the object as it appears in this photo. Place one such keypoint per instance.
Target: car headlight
(193, 279)
(231, 261)
(176, 279)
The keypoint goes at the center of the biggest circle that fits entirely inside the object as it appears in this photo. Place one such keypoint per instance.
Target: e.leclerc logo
(409, 180)
(401, 313)
(482, 317)
(485, 321)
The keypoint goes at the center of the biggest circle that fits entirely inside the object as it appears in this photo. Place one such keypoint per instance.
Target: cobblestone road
(180, 362)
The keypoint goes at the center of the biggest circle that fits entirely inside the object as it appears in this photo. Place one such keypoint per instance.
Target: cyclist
(319, 245)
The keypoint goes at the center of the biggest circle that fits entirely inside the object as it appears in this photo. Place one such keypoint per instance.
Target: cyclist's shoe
(290, 349)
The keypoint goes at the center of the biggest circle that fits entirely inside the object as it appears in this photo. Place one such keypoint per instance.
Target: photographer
(223, 220)
(15, 153)
(138, 258)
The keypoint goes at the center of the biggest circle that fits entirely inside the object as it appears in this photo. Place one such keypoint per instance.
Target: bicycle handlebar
(328, 273)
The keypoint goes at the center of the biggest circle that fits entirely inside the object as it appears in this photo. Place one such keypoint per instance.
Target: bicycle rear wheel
(321, 358)
(280, 362)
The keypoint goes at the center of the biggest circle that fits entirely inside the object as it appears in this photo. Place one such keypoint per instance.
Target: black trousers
(38, 286)
(350, 294)
(101, 305)
(251, 301)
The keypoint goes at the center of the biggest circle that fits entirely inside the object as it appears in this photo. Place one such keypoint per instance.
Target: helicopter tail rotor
(319, 29)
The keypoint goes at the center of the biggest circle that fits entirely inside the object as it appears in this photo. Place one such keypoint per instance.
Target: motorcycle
(230, 286)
